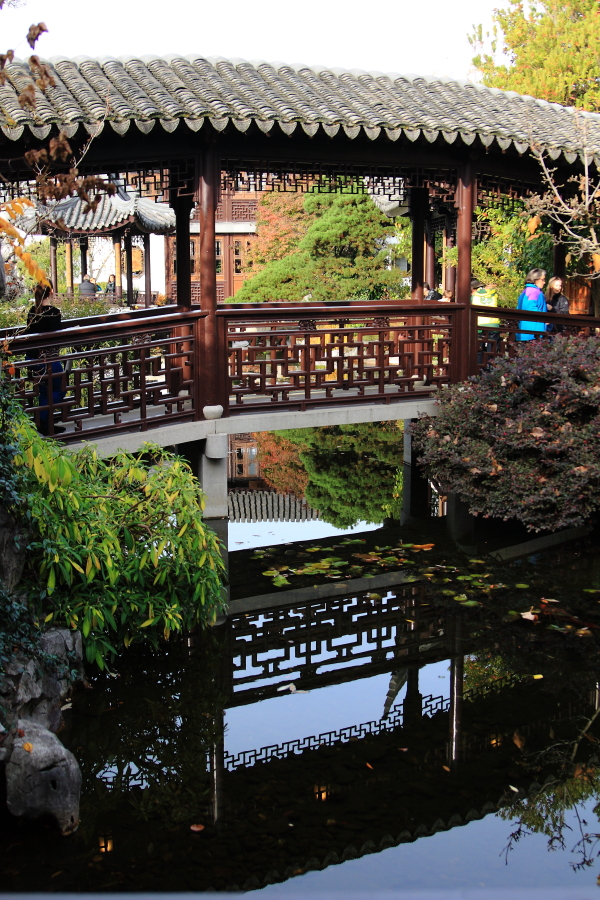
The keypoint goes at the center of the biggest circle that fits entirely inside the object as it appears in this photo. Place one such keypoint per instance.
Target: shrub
(521, 440)
(120, 550)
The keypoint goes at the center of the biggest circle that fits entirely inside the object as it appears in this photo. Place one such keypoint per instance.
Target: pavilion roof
(155, 92)
(111, 213)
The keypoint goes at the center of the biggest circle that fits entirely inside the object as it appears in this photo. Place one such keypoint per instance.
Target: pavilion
(123, 216)
(180, 129)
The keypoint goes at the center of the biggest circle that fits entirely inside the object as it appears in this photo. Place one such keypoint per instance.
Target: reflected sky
(469, 856)
(293, 716)
(246, 535)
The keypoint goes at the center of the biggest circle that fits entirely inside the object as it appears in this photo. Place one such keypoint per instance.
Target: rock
(32, 690)
(42, 777)
(13, 551)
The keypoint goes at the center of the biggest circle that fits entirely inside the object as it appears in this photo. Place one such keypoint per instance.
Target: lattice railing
(100, 379)
(307, 356)
(430, 706)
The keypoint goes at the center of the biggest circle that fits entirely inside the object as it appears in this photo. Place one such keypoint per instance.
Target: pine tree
(553, 50)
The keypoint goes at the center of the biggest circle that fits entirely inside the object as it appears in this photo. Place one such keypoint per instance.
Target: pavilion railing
(489, 340)
(301, 357)
(100, 379)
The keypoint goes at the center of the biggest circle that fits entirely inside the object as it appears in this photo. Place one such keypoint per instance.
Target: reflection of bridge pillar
(459, 521)
(217, 770)
(413, 702)
(456, 696)
(415, 489)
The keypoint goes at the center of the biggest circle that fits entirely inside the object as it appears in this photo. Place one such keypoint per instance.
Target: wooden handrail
(103, 331)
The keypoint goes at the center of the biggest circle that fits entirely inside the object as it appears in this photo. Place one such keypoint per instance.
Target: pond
(404, 714)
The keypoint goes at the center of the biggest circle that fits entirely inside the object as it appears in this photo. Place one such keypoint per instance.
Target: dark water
(428, 743)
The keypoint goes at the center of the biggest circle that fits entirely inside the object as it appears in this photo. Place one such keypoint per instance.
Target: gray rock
(13, 551)
(42, 780)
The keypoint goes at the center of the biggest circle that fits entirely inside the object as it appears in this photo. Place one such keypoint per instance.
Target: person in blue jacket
(533, 300)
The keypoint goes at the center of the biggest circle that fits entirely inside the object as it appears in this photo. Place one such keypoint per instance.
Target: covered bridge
(181, 129)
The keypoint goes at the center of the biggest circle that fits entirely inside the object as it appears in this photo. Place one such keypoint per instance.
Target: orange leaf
(196, 827)
(27, 746)
(369, 766)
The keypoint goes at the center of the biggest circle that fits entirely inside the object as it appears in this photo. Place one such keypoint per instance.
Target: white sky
(427, 37)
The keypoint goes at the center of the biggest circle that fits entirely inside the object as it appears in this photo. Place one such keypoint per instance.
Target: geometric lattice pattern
(292, 362)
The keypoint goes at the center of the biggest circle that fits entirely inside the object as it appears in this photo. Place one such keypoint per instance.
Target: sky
(427, 38)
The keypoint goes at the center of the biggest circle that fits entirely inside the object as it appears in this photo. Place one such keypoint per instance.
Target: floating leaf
(519, 740)
(523, 587)
(196, 827)
(537, 677)
(280, 581)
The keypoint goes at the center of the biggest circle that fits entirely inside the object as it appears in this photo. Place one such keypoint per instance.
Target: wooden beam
(208, 197)
(466, 196)
(69, 266)
(129, 265)
(147, 273)
(53, 266)
(83, 255)
(419, 202)
(430, 254)
(118, 269)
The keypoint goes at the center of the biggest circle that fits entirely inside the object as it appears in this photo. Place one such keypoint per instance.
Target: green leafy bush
(120, 549)
(521, 440)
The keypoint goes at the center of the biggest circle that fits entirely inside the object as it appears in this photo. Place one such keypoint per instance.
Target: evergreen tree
(353, 471)
(549, 49)
(343, 255)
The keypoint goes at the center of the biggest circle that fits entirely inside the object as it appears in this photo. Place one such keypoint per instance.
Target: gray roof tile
(127, 90)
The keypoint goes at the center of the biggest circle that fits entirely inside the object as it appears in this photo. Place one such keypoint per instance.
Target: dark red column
(213, 379)
(462, 350)
(419, 204)
(53, 266)
(430, 254)
(450, 279)
(183, 207)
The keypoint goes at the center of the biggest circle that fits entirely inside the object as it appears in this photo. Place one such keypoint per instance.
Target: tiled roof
(158, 92)
(111, 212)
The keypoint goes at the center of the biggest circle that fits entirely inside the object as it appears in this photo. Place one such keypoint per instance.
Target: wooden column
(466, 204)
(450, 271)
(457, 664)
(419, 202)
(208, 196)
(129, 265)
(69, 266)
(430, 254)
(147, 272)
(466, 195)
(83, 255)
(118, 272)
(183, 207)
(53, 266)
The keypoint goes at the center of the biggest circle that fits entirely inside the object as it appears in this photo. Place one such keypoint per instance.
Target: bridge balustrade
(135, 372)
(116, 376)
(304, 357)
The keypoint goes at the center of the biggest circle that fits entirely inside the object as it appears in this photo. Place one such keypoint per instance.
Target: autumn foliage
(280, 464)
(521, 441)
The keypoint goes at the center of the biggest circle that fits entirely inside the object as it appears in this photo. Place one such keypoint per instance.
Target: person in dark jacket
(43, 318)
(557, 302)
(86, 288)
(429, 294)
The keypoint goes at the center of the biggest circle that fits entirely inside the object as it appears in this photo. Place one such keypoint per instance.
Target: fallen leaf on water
(528, 615)
(522, 586)
(369, 766)
(196, 827)
(537, 677)
(516, 790)
(287, 687)
(27, 746)
(446, 768)
(403, 749)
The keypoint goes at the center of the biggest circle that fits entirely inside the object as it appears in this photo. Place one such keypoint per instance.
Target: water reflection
(380, 751)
